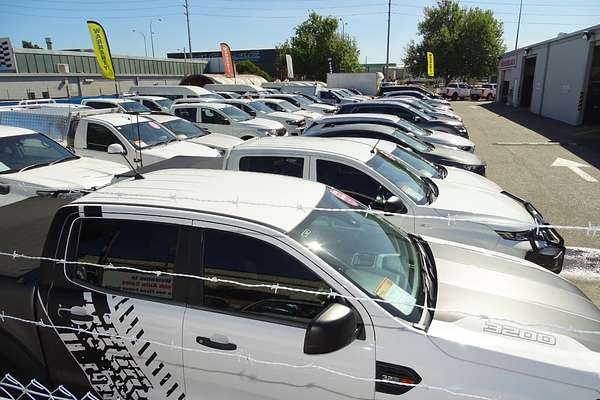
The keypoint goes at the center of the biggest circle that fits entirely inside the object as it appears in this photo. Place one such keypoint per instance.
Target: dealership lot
(553, 165)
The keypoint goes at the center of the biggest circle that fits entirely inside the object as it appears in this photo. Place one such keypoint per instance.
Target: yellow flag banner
(101, 49)
(430, 64)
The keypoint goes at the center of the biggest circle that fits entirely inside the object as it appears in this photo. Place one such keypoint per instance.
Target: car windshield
(313, 98)
(409, 126)
(377, 257)
(394, 171)
(420, 113)
(165, 103)
(302, 101)
(185, 128)
(260, 107)
(146, 134)
(289, 107)
(235, 113)
(420, 164)
(134, 107)
(22, 152)
(416, 144)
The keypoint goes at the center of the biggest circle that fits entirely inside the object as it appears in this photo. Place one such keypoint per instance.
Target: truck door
(238, 331)
(214, 121)
(94, 139)
(129, 321)
(297, 167)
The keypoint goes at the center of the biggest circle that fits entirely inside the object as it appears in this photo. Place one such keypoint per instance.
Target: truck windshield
(146, 134)
(377, 257)
(134, 107)
(235, 113)
(260, 107)
(180, 126)
(23, 152)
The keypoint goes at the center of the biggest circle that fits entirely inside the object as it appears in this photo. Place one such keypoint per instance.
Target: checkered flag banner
(7, 56)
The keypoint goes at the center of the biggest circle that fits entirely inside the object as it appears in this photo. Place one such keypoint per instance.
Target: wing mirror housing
(333, 329)
(394, 205)
(115, 148)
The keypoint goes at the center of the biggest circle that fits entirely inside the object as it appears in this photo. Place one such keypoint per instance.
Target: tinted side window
(100, 137)
(245, 259)
(211, 116)
(100, 105)
(126, 244)
(290, 166)
(151, 105)
(351, 181)
(186, 113)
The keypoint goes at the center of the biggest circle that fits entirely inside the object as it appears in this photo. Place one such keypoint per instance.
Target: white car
(227, 119)
(304, 103)
(457, 91)
(185, 130)
(154, 103)
(286, 106)
(295, 124)
(125, 105)
(486, 91)
(351, 307)
(32, 163)
(462, 213)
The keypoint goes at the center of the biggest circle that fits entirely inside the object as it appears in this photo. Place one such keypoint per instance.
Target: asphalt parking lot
(553, 165)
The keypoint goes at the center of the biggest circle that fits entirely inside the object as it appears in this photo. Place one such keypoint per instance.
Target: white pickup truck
(90, 133)
(459, 209)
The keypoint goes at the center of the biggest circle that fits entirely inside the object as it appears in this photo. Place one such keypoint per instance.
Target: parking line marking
(535, 143)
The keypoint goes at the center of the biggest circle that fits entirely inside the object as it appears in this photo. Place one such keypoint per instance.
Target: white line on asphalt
(531, 143)
(575, 167)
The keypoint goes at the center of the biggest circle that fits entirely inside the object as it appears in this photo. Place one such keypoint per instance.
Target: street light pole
(519, 25)
(187, 16)
(343, 27)
(387, 57)
(152, 35)
(144, 35)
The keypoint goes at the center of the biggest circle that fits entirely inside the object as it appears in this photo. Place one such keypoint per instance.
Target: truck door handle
(208, 342)
(76, 314)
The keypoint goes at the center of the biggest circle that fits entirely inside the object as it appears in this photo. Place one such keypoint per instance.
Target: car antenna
(374, 147)
(139, 139)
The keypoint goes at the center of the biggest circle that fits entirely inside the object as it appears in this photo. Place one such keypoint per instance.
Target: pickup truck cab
(443, 209)
(250, 289)
(227, 119)
(486, 91)
(304, 103)
(154, 103)
(32, 163)
(286, 106)
(124, 105)
(457, 91)
(295, 124)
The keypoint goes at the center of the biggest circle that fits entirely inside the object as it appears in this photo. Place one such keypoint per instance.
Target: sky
(251, 24)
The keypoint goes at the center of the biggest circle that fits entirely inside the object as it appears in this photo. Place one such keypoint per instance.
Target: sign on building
(509, 62)
(8, 62)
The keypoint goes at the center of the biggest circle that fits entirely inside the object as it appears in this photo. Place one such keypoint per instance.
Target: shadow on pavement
(583, 141)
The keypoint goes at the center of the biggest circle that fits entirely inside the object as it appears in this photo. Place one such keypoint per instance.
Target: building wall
(538, 79)
(266, 59)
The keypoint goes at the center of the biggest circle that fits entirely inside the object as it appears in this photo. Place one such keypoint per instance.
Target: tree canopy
(315, 41)
(466, 43)
(248, 67)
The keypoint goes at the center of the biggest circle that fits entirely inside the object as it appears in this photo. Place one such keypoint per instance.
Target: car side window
(100, 105)
(326, 95)
(289, 166)
(186, 113)
(249, 110)
(351, 181)
(100, 137)
(124, 243)
(151, 105)
(211, 116)
(235, 257)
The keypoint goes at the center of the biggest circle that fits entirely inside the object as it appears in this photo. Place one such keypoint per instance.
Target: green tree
(466, 43)
(248, 67)
(315, 41)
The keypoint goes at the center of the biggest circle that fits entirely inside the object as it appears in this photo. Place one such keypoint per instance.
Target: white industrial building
(558, 78)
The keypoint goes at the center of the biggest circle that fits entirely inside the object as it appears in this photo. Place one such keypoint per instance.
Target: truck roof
(7, 131)
(142, 97)
(277, 201)
(119, 119)
(360, 151)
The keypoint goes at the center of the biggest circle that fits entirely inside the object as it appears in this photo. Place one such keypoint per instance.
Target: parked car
(438, 154)
(229, 95)
(286, 106)
(334, 97)
(408, 113)
(185, 130)
(424, 107)
(443, 209)
(411, 88)
(485, 91)
(457, 91)
(304, 103)
(124, 105)
(154, 103)
(31, 164)
(172, 92)
(227, 119)
(439, 103)
(425, 135)
(295, 124)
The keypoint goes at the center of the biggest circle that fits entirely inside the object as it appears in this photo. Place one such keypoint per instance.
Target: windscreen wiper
(32, 166)
(63, 160)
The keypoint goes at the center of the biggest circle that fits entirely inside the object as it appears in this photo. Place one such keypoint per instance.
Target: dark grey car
(408, 113)
(437, 154)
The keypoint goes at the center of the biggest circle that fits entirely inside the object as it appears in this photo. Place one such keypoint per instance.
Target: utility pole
(387, 57)
(187, 16)
(152, 35)
(519, 25)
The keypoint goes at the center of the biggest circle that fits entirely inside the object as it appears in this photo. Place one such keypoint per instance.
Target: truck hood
(83, 173)
(456, 155)
(448, 139)
(181, 148)
(485, 206)
(458, 176)
(217, 141)
(535, 322)
(262, 123)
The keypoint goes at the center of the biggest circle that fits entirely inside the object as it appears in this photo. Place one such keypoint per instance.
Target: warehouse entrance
(592, 106)
(527, 87)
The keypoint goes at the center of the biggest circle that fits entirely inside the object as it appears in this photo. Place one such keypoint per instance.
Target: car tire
(490, 97)
(454, 96)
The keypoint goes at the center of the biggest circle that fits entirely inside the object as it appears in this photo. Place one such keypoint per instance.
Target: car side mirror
(394, 205)
(115, 148)
(333, 329)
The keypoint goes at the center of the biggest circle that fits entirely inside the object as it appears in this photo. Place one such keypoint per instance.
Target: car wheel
(490, 97)
(454, 96)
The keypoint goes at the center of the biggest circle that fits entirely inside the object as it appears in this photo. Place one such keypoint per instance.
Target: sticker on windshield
(154, 125)
(344, 197)
(389, 291)
(138, 143)
(3, 167)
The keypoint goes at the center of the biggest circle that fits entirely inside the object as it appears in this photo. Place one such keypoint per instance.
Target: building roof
(274, 200)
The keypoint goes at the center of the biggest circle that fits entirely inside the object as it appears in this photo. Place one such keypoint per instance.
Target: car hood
(456, 155)
(534, 322)
(484, 206)
(458, 176)
(262, 123)
(322, 107)
(446, 121)
(182, 148)
(449, 139)
(83, 173)
(309, 114)
(217, 140)
(286, 115)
